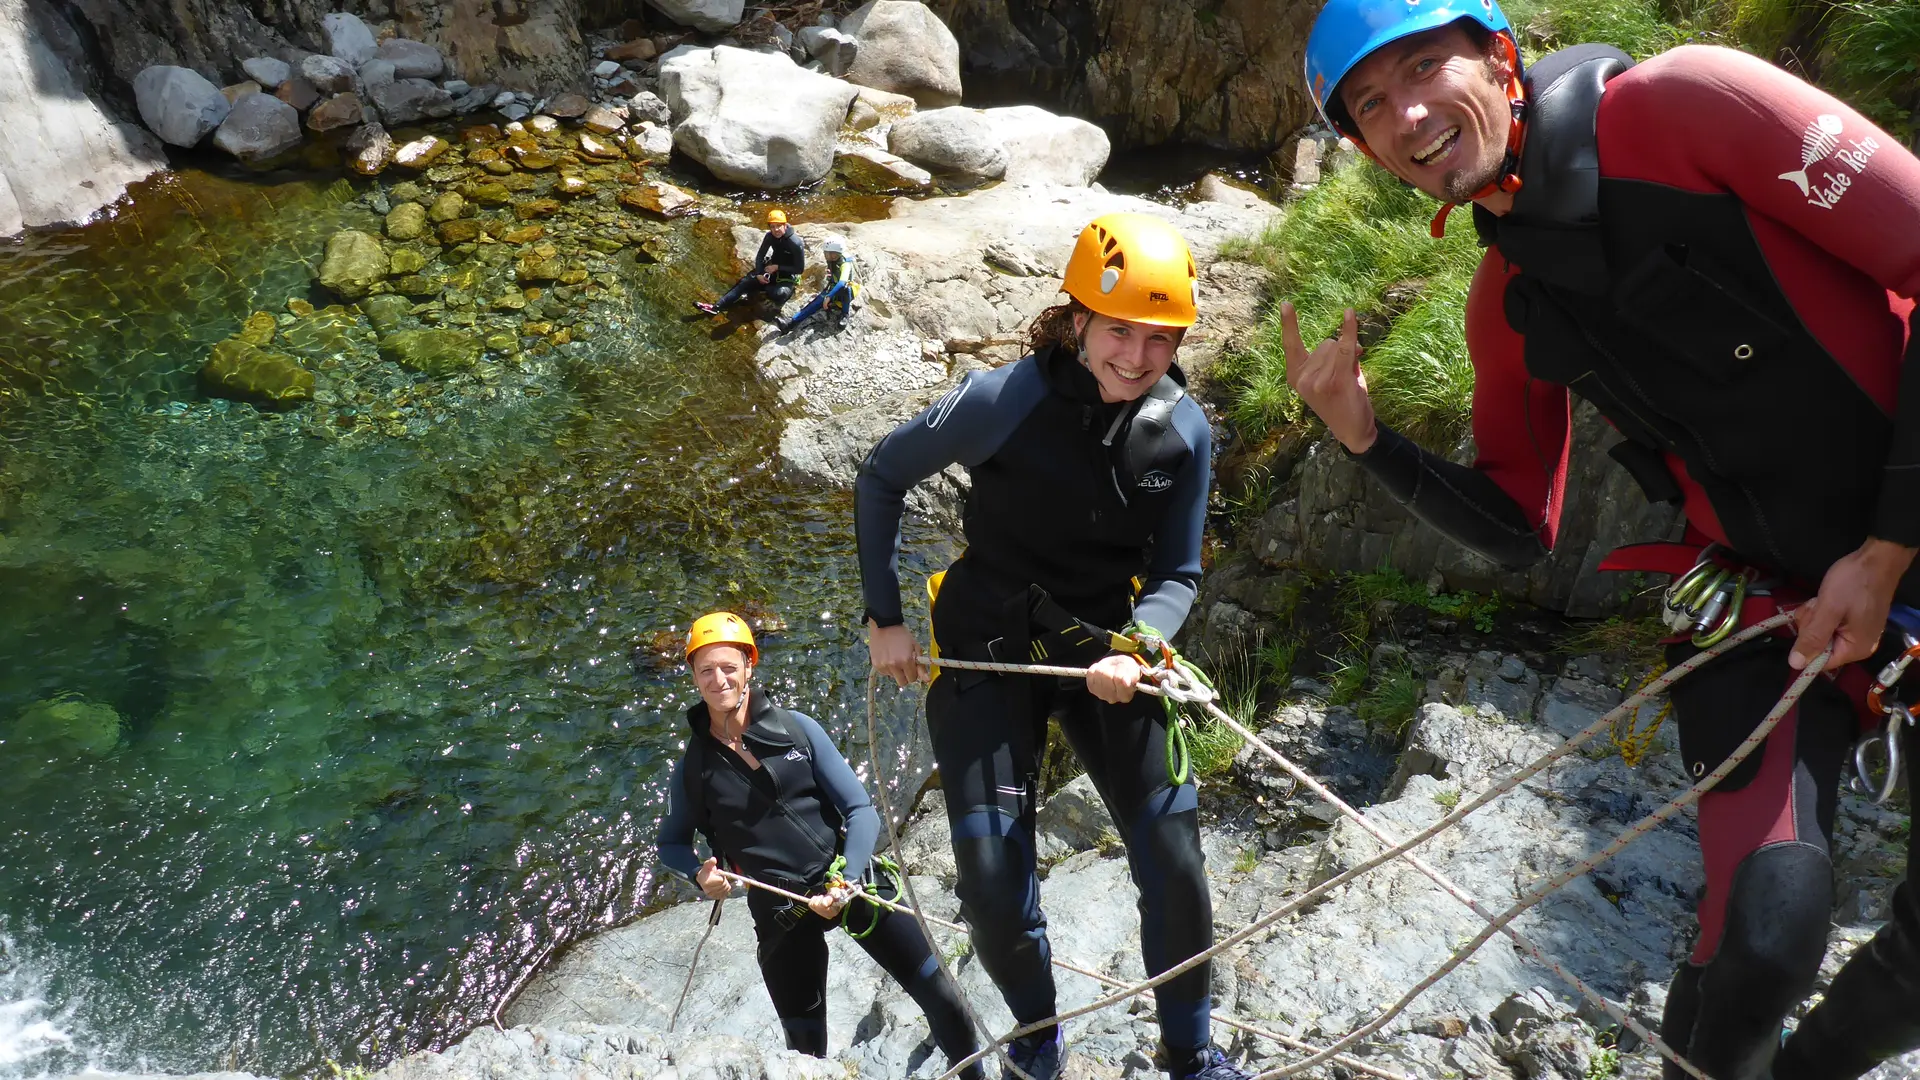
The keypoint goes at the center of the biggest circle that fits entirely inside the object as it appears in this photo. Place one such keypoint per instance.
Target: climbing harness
(847, 891)
(693, 965)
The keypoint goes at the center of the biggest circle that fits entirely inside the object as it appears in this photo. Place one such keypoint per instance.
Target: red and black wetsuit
(1723, 259)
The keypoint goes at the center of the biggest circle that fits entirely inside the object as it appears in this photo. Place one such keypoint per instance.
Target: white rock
(178, 104)
(703, 14)
(753, 118)
(259, 126)
(646, 105)
(1043, 148)
(328, 74)
(377, 72)
(954, 140)
(829, 46)
(545, 125)
(412, 59)
(655, 142)
(266, 70)
(607, 69)
(905, 48)
(63, 158)
(348, 38)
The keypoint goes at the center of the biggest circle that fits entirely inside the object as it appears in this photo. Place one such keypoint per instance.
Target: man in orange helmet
(777, 803)
(1089, 469)
(777, 267)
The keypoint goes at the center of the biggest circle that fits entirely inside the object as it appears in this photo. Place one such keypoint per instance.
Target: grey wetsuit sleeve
(1173, 571)
(849, 796)
(965, 426)
(675, 842)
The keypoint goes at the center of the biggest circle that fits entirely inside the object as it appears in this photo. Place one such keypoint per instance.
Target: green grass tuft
(1244, 862)
(1213, 745)
(1389, 705)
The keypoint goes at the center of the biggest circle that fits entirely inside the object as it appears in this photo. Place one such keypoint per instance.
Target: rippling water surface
(312, 744)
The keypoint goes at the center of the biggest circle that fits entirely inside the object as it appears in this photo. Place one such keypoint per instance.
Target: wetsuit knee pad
(1775, 933)
(806, 1035)
(995, 866)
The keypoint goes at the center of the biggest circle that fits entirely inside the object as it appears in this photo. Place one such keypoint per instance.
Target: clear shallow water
(379, 740)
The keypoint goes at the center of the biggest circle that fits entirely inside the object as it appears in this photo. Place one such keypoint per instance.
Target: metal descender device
(1883, 698)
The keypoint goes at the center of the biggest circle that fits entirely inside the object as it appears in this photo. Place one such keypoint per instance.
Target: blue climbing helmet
(1348, 31)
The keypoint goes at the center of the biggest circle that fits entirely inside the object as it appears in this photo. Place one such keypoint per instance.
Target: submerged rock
(407, 221)
(354, 262)
(246, 372)
(659, 197)
(447, 206)
(432, 352)
(67, 724)
(873, 170)
(421, 152)
(386, 311)
(178, 104)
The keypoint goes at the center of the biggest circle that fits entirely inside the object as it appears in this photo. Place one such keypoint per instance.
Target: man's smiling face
(1433, 109)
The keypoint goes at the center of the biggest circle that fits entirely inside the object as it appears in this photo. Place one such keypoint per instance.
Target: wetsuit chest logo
(795, 754)
(1156, 481)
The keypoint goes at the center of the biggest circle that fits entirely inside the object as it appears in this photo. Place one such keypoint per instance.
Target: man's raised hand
(1330, 381)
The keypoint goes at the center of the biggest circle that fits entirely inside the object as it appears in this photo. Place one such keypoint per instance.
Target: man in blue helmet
(1723, 260)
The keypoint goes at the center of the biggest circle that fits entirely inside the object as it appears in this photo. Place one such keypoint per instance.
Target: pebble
(503, 99)
(456, 87)
(515, 111)
(606, 68)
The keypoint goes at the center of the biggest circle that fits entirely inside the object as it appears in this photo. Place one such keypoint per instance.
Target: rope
(1185, 688)
(1634, 742)
(1064, 965)
(693, 965)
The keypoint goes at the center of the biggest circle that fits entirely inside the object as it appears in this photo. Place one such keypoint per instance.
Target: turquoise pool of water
(380, 734)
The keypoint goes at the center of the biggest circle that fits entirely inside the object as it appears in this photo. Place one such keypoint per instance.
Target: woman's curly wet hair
(1054, 326)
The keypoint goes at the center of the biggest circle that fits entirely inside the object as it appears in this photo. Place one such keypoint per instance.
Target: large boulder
(951, 140)
(707, 15)
(1043, 148)
(348, 38)
(259, 126)
(905, 48)
(412, 59)
(328, 74)
(753, 118)
(407, 101)
(268, 71)
(178, 104)
(354, 262)
(246, 372)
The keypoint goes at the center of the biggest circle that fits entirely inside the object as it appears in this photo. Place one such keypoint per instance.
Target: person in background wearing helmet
(777, 267)
(777, 803)
(1723, 260)
(1090, 468)
(837, 295)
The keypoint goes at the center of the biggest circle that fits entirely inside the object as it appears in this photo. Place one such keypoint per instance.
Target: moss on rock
(245, 372)
(432, 352)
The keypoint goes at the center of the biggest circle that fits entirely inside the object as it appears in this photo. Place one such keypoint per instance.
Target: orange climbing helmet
(722, 628)
(1134, 267)
(776, 217)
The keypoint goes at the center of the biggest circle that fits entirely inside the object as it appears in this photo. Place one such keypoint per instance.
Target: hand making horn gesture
(1330, 381)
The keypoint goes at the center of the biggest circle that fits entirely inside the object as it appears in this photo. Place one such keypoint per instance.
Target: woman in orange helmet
(1089, 468)
(777, 803)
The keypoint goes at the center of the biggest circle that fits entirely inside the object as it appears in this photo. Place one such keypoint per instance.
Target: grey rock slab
(753, 118)
(501, 100)
(266, 70)
(347, 38)
(179, 104)
(904, 48)
(647, 105)
(412, 59)
(377, 72)
(1075, 819)
(707, 15)
(258, 127)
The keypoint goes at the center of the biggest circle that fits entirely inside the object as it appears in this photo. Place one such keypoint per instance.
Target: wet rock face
(904, 48)
(1149, 69)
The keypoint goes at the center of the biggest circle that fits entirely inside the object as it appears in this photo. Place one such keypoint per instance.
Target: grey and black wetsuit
(784, 823)
(1103, 507)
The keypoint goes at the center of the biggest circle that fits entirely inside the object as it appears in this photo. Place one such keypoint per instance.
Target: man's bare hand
(1850, 611)
(894, 653)
(1330, 381)
(710, 882)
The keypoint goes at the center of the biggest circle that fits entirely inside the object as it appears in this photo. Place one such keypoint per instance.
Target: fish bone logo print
(1821, 144)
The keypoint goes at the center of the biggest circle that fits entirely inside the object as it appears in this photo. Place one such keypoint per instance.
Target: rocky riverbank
(602, 1010)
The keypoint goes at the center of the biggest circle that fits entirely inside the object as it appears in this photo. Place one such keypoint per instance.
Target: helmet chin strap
(1507, 180)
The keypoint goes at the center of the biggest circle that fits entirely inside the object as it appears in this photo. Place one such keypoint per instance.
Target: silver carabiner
(1863, 783)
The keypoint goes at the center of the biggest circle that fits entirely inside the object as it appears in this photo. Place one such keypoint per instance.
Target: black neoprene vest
(1658, 306)
(774, 823)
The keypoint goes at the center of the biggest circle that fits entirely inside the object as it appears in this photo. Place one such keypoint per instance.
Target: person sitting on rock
(837, 296)
(1089, 467)
(777, 267)
(1723, 260)
(777, 803)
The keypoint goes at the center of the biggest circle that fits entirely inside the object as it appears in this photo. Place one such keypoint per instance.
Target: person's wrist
(1887, 560)
(1363, 442)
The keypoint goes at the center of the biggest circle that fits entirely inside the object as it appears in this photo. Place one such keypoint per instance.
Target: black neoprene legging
(793, 960)
(778, 292)
(987, 735)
